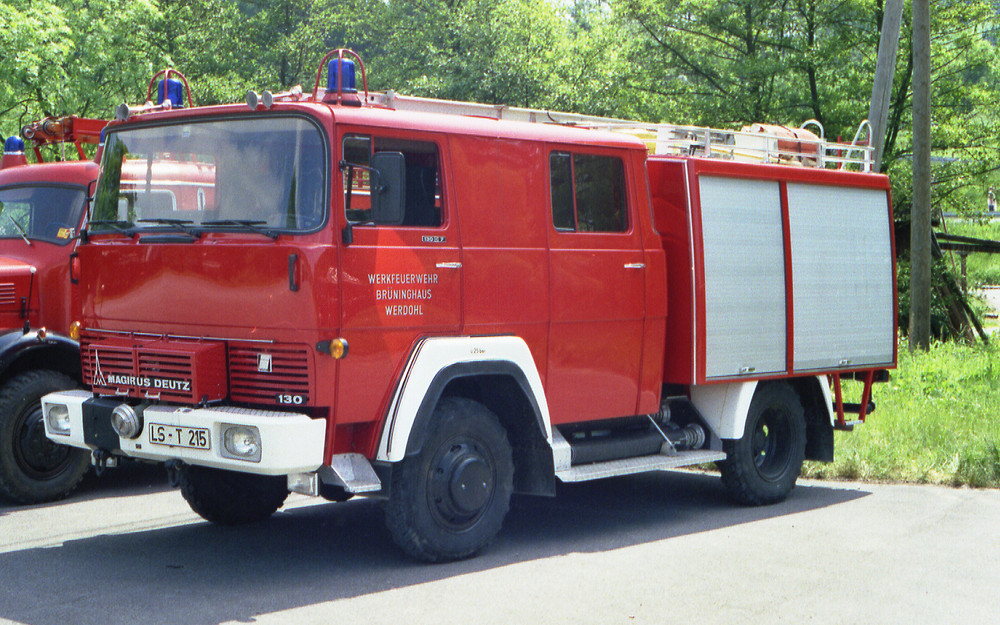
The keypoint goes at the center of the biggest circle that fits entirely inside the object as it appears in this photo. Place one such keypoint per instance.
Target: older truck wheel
(449, 501)
(762, 466)
(32, 468)
(231, 498)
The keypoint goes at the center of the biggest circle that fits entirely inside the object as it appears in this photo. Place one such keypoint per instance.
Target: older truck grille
(268, 375)
(192, 370)
(8, 294)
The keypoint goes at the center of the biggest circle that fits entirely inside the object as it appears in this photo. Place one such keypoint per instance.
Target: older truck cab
(42, 210)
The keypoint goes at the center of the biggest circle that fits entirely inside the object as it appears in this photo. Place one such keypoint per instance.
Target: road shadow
(203, 574)
(129, 479)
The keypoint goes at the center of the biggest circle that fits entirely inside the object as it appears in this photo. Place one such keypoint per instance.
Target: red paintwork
(53, 299)
(789, 290)
(597, 329)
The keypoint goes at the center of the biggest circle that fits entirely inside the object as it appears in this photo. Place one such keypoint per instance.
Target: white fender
(824, 386)
(435, 354)
(724, 406)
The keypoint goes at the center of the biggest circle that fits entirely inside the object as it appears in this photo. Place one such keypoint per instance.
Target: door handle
(635, 265)
(449, 265)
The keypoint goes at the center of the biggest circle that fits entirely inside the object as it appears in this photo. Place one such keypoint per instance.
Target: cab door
(398, 282)
(598, 278)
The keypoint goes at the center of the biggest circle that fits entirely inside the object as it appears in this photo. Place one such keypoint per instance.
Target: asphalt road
(658, 548)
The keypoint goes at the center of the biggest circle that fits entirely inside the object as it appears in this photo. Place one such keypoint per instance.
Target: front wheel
(33, 469)
(231, 498)
(449, 501)
(762, 466)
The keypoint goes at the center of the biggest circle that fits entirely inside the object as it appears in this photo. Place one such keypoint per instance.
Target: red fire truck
(441, 304)
(42, 207)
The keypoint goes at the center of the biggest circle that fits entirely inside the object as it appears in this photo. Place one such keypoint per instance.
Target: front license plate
(179, 436)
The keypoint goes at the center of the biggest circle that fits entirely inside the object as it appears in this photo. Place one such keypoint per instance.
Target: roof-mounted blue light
(174, 90)
(13, 145)
(347, 81)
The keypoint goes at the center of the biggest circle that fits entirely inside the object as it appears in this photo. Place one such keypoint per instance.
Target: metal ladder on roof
(747, 145)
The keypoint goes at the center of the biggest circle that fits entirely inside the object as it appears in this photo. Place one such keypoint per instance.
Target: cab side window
(588, 193)
(422, 197)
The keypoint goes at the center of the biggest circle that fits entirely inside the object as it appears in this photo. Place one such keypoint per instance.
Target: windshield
(41, 213)
(253, 172)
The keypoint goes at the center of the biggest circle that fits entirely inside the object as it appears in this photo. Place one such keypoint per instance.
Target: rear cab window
(588, 192)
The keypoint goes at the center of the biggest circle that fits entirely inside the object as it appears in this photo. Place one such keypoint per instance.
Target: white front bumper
(290, 442)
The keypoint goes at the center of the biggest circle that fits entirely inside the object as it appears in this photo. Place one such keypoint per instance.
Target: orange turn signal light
(336, 347)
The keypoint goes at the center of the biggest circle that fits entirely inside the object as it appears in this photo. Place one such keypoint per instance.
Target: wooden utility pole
(920, 216)
(885, 71)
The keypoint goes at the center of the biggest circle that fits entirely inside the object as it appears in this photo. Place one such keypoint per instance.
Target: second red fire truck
(441, 304)
(42, 206)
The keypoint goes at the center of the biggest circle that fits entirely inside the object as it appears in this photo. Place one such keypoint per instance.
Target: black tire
(449, 501)
(231, 498)
(33, 469)
(762, 467)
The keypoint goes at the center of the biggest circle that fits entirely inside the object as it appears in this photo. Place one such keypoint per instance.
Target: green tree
(723, 62)
(33, 41)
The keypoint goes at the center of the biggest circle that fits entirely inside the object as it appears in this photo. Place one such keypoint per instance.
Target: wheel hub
(462, 484)
(770, 444)
(35, 454)
(470, 484)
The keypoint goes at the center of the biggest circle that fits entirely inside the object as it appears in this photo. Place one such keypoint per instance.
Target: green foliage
(937, 421)
(725, 62)
(33, 39)
(966, 127)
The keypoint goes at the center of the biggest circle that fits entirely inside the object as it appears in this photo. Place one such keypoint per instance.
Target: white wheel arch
(725, 406)
(432, 356)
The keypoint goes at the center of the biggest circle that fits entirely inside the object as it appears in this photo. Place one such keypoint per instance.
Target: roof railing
(759, 143)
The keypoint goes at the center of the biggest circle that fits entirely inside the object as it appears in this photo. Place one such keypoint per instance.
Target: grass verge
(981, 268)
(937, 421)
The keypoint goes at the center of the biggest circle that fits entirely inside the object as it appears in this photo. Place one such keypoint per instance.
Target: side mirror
(388, 205)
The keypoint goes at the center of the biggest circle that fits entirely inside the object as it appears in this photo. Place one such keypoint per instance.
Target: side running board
(566, 472)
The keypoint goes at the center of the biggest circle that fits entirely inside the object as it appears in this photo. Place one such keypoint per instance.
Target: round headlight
(125, 421)
(57, 418)
(243, 442)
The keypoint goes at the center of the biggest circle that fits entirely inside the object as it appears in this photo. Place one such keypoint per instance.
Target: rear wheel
(449, 501)
(33, 469)
(231, 498)
(762, 466)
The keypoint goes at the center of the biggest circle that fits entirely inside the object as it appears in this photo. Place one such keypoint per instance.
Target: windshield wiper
(125, 227)
(178, 224)
(20, 230)
(245, 224)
